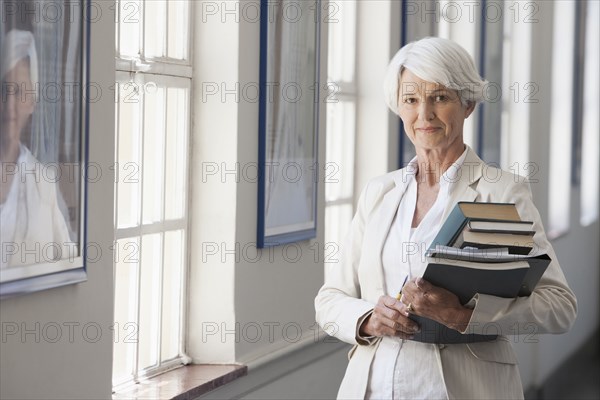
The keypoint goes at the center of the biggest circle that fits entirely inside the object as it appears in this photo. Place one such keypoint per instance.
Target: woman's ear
(469, 109)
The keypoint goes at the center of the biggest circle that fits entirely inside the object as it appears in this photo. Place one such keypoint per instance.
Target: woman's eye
(441, 98)
(410, 100)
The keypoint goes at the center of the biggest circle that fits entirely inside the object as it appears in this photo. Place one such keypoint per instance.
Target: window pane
(154, 137)
(150, 297)
(463, 31)
(590, 150)
(128, 157)
(125, 328)
(337, 224)
(129, 27)
(516, 80)
(155, 30)
(171, 306)
(178, 29)
(176, 161)
(342, 40)
(561, 118)
(339, 171)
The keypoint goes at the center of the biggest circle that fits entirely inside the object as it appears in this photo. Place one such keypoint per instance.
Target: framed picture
(43, 115)
(288, 121)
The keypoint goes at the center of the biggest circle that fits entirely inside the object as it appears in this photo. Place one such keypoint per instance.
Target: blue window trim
(401, 138)
(482, 46)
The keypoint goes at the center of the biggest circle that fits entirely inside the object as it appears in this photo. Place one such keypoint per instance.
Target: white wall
(33, 368)
(245, 306)
(212, 207)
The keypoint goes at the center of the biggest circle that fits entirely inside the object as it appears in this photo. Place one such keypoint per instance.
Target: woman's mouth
(429, 129)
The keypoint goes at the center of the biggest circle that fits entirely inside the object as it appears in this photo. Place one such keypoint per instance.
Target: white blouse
(405, 369)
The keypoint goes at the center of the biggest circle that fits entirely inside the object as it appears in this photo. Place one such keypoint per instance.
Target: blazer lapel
(382, 223)
(463, 190)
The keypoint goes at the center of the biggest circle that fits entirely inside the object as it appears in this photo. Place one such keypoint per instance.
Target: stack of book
(486, 225)
(481, 248)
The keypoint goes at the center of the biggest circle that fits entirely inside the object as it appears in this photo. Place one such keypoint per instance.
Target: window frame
(170, 73)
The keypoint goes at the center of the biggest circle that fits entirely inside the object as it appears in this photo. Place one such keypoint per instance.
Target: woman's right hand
(389, 318)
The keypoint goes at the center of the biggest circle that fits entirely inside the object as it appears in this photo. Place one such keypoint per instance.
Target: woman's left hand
(435, 303)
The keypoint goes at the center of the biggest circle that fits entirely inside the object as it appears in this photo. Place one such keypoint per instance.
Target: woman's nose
(426, 112)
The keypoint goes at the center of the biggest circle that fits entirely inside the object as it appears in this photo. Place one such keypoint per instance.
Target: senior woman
(29, 204)
(433, 85)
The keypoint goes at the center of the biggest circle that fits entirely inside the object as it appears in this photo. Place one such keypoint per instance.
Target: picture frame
(45, 107)
(288, 121)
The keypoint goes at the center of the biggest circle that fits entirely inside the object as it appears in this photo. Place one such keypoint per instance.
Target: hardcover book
(456, 270)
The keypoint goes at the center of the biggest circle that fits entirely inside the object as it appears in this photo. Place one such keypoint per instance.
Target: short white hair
(19, 45)
(435, 60)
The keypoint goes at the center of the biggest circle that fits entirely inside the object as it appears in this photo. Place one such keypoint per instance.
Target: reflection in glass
(35, 226)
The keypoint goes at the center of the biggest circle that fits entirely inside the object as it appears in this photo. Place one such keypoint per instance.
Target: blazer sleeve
(338, 304)
(551, 308)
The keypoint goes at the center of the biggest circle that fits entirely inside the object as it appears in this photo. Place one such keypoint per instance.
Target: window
(151, 205)
(458, 22)
(517, 89)
(561, 118)
(341, 124)
(590, 153)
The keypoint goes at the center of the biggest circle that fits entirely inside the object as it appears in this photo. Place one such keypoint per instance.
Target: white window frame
(169, 71)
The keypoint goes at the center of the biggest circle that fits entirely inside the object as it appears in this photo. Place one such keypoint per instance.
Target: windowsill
(183, 383)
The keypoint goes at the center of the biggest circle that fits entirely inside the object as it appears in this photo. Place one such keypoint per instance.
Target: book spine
(524, 233)
(451, 228)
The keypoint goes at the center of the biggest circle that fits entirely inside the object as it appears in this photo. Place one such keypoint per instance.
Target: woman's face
(17, 102)
(433, 115)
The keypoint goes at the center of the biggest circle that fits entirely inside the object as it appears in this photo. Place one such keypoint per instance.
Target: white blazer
(476, 370)
(32, 221)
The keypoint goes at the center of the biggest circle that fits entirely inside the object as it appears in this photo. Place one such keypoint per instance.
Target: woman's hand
(424, 299)
(389, 318)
